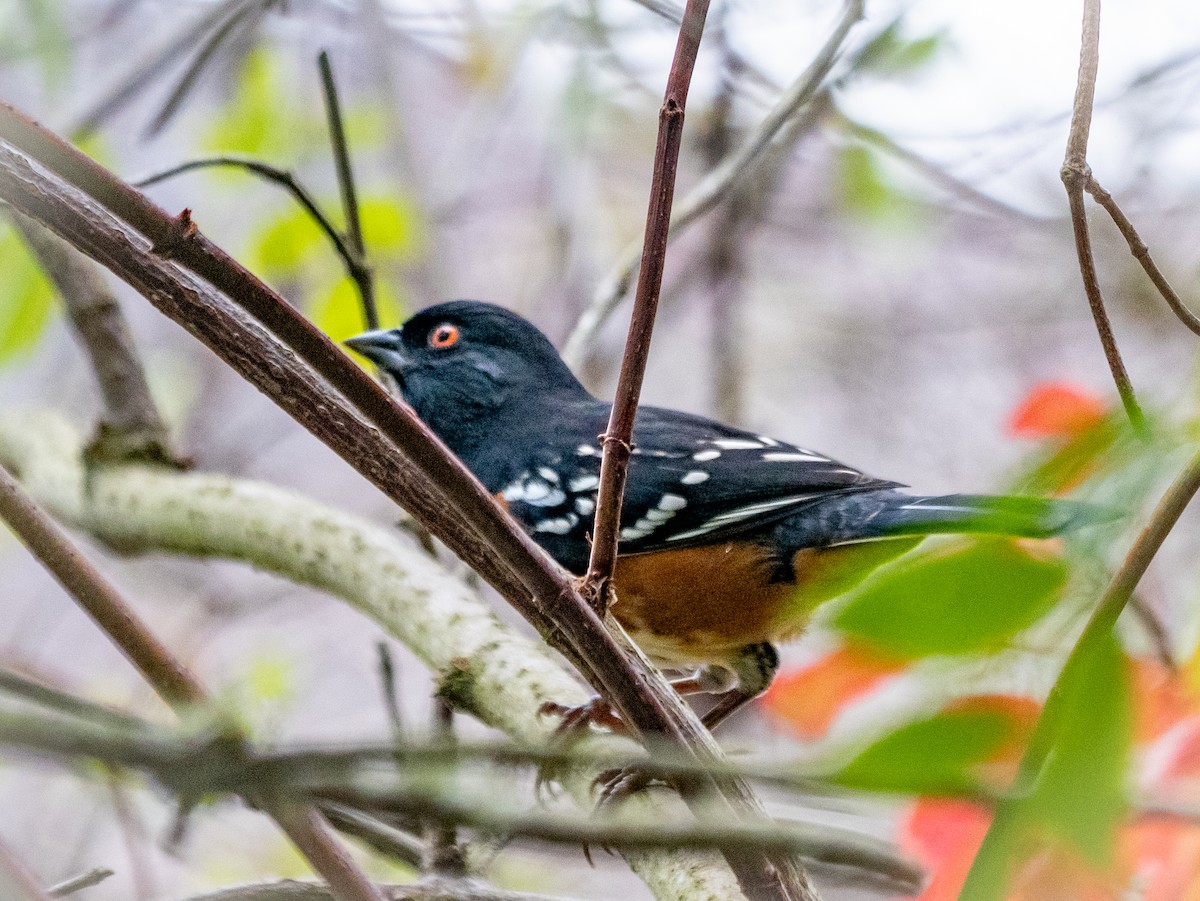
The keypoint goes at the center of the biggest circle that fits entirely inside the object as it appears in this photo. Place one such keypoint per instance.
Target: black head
(462, 363)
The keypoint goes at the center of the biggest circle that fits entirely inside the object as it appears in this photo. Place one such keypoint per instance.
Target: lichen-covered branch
(486, 667)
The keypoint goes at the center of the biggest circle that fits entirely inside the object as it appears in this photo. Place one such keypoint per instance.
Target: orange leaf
(1056, 410)
(810, 699)
(944, 835)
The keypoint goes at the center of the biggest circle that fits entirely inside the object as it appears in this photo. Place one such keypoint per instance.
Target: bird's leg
(708, 679)
(754, 669)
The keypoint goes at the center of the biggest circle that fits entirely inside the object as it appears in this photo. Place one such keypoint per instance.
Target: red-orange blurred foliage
(1056, 409)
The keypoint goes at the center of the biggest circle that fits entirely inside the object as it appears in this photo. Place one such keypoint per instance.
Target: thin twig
(436, 890)
(252, 13)
(715, 186)
(79, 883)
(360, 272)
(1102, 620)
(274, 174)
(1075, 175)
(1141, 253)
(618, 437)
(148, 72)
(443, 856)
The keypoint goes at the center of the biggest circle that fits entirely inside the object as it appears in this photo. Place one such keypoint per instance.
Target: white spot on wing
(659, 516)
(672, 502)
(701, 456)
(792, 457)
(549, 475)
(695, 477)
(583, 483)
(560, 526)
(769, 442)
(586, 450)
(736, 444)
(632, 533)
(585, 505)
(533, 491)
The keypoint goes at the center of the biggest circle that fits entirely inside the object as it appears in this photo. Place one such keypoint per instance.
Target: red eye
(445, 335)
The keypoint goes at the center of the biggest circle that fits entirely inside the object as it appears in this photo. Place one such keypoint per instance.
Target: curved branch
(275, 175)
(486, 667)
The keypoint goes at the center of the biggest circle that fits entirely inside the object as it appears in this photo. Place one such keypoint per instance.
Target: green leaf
(288, 242)
(339, 313)
(932, 756)
(861, 186)
(966, 597)
(890, 54)
(1085, 743)
(26, 298)
(1082, 793)
(391, 227)
(261, 118)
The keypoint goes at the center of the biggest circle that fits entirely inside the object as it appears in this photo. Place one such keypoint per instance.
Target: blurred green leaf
(861, 187)
(285, 243)
(889, 53)
(339, 313)
(966, 597)
(1082, 793)
(934, 756)
(391, 228)
(26, 297)
(37, 28)
(261, 118)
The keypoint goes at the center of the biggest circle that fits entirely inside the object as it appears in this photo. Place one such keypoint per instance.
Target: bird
(728, 539)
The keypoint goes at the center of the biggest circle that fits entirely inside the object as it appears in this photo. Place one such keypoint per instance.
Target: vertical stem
(617, 439)
(360, 271)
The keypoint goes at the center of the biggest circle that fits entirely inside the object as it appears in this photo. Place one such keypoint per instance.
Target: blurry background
(887, 288)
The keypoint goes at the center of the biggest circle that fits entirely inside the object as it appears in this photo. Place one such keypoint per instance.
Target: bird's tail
(889, 514)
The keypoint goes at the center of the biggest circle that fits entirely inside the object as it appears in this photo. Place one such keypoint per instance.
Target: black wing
(691, 481)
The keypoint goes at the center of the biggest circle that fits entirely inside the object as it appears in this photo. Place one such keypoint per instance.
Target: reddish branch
(618, 439)
(296, 365)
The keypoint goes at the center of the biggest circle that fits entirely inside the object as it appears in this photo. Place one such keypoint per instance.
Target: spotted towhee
(728, 539)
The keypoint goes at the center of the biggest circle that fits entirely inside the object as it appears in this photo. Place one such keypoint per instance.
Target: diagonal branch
(400, 455)
(131, 427)
(1041, 744)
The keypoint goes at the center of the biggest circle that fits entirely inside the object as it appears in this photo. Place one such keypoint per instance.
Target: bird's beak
(380, 347)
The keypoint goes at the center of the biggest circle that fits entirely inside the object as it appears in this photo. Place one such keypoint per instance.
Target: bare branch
(1075, 175)
(274, 174)
(1141, 253)
(79, 883)
(437, 890)
(131, 426)
(715, 186)
(96, 595)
